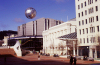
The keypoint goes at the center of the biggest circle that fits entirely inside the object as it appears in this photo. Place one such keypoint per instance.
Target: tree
(61, 47)
(52, 47)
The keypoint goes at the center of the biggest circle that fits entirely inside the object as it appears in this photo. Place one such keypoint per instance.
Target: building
(88, 31)
(52, 44)
(30, 34)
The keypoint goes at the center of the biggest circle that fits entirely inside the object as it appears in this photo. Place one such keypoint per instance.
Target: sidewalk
(82, 61)
(32, 59)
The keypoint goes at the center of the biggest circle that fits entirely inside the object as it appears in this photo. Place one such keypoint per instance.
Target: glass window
(96, 8)
(85, 3)
(87, 30)
(78, 6)
(82, 22)
(78, 14)
(84, 40)
(81, 5)
(80, 32)
(85, 12)
(98, 28)
(96, 18)
(83, 31)
(80, 40)
(86, 21)
(82, 13)
(87, 40)
(79, 23)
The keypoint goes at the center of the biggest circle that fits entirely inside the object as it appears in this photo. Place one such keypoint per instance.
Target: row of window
(85, 4)
(92, 30)
(91, 19)
(92, 40)
(91, 10)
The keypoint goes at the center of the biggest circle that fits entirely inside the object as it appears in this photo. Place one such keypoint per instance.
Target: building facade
(51, 43)
(88, 31)
(30, 34)
(36, 27)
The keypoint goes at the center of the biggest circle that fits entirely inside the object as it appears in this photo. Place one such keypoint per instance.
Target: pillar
(74, 48)
(95, 53)
(77, 50)
(90, 52)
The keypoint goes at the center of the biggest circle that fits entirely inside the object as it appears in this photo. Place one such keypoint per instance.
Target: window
(80, 40)
(79, 23)
(81, 5)
(78, 6)
(85, 12)
(56, 22)
(98, 28)
(92, 10)
(82, 13)
(92, 1)
(92, 39)
(87, 30)
(86, 21)
(87, 40)
(78, 14)
(93, 19)
(96, 18)
(92, 29)
(96, 7)
(80, 32)
(89, 20)
(83, 31)
(85, 3)
(82, 22)
(88, 2)
(84, 40)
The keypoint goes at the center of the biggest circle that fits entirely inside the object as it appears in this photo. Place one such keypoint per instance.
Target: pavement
(32, 59)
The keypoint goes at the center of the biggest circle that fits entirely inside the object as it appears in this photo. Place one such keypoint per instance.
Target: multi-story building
(30, 34)
(51, 42)
(88, 31)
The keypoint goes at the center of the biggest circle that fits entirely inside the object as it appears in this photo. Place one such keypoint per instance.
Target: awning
(71, 36)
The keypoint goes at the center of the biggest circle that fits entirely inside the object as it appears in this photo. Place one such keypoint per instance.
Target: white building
(88, 23)
(51, 43)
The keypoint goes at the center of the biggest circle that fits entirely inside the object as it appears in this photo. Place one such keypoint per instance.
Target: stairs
(7, 52)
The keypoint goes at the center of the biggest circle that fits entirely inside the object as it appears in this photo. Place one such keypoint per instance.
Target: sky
(12, 12)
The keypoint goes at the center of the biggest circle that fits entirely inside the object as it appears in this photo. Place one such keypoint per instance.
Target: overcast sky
(12, 12)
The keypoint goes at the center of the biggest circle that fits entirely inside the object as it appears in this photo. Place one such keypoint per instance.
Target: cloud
(59, 1)
(19, 20)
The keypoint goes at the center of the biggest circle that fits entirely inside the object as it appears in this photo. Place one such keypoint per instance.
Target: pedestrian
(5, 59)
(71, 60)
(75, 60)
(38, 57)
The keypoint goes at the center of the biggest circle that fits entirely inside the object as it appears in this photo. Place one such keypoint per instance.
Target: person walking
(71, 60)
(75, 60)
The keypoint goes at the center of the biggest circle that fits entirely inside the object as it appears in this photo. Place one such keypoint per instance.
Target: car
(90, 59)
(78, 57)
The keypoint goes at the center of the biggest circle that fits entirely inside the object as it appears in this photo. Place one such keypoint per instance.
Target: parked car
(90, 59)
(78, 57)
(55, 55)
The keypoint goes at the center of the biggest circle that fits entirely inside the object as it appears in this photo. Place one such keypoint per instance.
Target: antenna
(67, 18)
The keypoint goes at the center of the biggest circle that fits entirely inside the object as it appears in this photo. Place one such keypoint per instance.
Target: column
(95, 53)
(90, 53)
(77, 50)
(74, 48)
